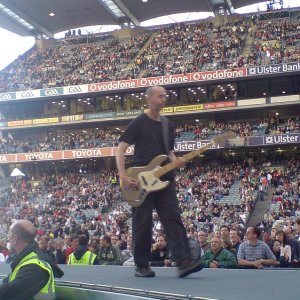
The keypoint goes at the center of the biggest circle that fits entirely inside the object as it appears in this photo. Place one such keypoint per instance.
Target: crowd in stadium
(62, 66)
(97, 138)
(174, 49)
(65, 207)
(275, 42)
(186, 48)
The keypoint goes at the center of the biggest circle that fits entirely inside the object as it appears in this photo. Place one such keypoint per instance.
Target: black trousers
(166, 204)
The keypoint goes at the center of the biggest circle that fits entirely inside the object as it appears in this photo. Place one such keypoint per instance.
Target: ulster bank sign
(273, 69)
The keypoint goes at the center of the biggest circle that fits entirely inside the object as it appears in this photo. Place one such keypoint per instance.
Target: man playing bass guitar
(146, 134)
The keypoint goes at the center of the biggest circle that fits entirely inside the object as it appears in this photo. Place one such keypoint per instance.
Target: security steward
(30, 277)
(82, 256)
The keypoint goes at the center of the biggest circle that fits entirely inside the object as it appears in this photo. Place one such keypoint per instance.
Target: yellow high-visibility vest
(48, 291)
(87, 258)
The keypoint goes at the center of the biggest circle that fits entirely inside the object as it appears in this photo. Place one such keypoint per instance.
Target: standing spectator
(254, 253)
(108, 254)
(73, 246)
(58, 252)
(218, 257)
(82, 256)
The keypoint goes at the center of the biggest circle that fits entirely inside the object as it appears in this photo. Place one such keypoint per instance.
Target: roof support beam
(230, 6)
(28, 19)
(219, 7)
(109, 11)
(127, 12)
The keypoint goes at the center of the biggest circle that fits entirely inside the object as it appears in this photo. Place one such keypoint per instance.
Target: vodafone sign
(167, 80)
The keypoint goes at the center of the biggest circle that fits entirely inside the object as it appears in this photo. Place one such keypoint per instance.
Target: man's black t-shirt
(147, 137)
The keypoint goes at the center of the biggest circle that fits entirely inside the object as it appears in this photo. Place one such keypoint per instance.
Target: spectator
(218, 257)
(226, 244)
(160, 253)
(108, 254)
(82, 256)
(254, 253)
(74, 242)
(289, 247)
(224, 231)
(202, 239)
(282, 254)
(234, 239)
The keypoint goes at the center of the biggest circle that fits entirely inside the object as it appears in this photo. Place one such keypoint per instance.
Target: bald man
(146, 133)
(29, 277)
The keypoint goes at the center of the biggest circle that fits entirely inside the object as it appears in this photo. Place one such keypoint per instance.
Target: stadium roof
(30, 17)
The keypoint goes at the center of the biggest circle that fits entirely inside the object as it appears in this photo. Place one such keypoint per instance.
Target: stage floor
(224, 284)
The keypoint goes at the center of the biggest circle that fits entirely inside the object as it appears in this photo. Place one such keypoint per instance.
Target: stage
(275, 284)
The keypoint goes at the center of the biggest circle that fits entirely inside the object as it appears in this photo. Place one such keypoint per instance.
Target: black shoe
(189, 266)
(144, 272)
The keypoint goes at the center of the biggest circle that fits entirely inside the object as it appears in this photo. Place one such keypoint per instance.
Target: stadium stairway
(260, 209)
(249, 42)
(234, 196)
(139, 54)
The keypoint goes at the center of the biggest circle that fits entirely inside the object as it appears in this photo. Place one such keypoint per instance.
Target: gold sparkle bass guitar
(148, 177)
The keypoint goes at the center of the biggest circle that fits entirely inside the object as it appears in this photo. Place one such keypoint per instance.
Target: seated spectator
(286, 246)
(224, 231)
(123, 242)
(234, 239)
(226, 244)
(108, 254)
(202, 239)
(160, 253)
(115, 240)
(82, 256)
(255, 253)
(94, 245)
(84, 231)
(282, 256)
(218, 257)
(127, 255)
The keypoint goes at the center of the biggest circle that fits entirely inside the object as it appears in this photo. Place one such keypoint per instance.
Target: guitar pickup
(154, 182)
(144, 180)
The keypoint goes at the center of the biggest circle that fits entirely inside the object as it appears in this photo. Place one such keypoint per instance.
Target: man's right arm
(120, 160)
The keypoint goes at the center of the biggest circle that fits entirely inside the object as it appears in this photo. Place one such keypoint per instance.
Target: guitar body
(148, 181)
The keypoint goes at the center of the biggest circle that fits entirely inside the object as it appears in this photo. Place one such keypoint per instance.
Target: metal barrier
(67, 290)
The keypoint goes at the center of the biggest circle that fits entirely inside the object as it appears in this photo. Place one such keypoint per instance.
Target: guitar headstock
(222, 138)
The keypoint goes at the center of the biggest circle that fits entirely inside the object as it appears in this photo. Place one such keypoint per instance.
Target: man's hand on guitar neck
(129, 182)
(179, 161)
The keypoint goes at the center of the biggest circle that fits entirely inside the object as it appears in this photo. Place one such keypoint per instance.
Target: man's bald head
(24, 230)
(152, 89)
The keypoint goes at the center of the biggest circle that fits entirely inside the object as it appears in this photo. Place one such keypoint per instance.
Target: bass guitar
(148, 177)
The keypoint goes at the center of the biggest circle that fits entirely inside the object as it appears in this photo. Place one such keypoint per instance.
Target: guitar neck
(187, 157)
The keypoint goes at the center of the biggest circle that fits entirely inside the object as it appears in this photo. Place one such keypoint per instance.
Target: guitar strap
(165, 132)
